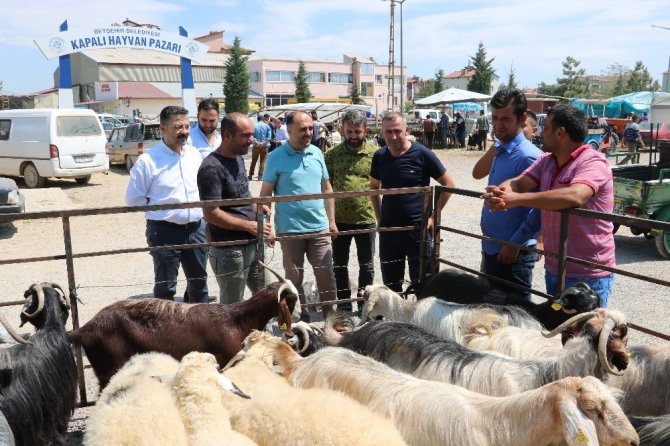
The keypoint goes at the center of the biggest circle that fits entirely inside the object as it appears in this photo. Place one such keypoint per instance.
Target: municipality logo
(192, 49)
(57, 45)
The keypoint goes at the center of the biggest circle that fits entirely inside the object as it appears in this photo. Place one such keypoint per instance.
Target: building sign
(76, 40)
(106, 91)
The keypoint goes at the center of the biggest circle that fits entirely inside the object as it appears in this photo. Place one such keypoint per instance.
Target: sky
(531, 36)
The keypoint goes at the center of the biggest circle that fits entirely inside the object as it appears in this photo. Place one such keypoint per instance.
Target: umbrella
(466, 107)
(452, 95)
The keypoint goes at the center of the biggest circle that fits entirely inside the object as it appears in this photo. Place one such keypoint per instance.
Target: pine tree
(439, 80)
(574, 83)
(236, 82)
(481, 81)
(356, 94)
(639, 79)
(511, 78)
(302, 93)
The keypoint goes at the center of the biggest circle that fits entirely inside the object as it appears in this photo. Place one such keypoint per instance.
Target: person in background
(221, 176)
(295, 168)
(167, 174)
(460, 129)
(482, 129)
(204, 136)
(261, 145)
(511, 154)
(349, 165)
(444, 128)
(428, 131)
(280, 133)
(402, 163)
(569, 175)
(631, 138)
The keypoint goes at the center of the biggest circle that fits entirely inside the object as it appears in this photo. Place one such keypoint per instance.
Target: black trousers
(394, 248)
(365, 247)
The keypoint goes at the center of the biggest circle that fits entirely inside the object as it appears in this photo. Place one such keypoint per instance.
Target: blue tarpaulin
(620, 106)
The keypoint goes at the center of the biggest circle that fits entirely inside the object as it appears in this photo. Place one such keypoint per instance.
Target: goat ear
(578, 429)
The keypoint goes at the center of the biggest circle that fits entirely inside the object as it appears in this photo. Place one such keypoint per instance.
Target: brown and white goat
(128, 327)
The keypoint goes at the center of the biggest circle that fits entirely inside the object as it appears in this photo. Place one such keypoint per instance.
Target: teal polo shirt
(296, 173)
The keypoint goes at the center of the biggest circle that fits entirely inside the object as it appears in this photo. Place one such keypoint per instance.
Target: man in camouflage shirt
(349, 164)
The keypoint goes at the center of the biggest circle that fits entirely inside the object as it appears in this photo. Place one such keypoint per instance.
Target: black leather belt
(191, 225)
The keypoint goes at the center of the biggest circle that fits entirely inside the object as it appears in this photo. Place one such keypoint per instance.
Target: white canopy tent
(452, 95)
(660, 110)
(326, 111)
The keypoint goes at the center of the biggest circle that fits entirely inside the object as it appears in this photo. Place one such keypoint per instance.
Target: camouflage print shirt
(350, 171)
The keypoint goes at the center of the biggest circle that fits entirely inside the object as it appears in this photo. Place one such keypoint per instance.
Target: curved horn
(608, 326)
(281, 289)
(303, 330)
(64, 296)
(39, 295)
(276, 274)
(573, 320)
(17, 337)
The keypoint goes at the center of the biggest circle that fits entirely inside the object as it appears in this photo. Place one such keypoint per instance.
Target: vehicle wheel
(32, 177)
(83, 180)
(129, 162)
(663, 244)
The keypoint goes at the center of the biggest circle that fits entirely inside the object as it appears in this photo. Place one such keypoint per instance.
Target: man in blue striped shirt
(260, 146)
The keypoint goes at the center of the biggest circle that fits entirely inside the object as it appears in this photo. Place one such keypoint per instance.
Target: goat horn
(608, 326)
(17, 337)
(39, 295)
(280, 278)
(305, 334)
(64, 297)
(573, 320)
(281, 289)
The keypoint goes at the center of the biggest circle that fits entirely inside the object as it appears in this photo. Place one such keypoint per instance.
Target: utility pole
(391, 83)
(403, 83)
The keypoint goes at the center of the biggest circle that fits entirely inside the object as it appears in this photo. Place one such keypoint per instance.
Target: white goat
(645, 382)
(578, 411)
(278, 413)
(443, 319)
(139, 406)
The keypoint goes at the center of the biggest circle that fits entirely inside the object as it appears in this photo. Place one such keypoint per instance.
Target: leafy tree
(549, 89)
(302, 93)
(621, 72)
(439, 81)
(356, 94)
(640, 80)
(236, 82)
(425, 90)
(574, 83)
(511, 78)
(481, 81)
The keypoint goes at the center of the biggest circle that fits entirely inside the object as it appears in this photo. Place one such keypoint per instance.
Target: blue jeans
(365, 247)
(520, 272)
(394, 248)
(601, 285)
(166, 261)
(235, 267)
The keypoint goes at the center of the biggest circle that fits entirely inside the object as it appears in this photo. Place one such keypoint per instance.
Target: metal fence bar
(562, 251)
(423, 246)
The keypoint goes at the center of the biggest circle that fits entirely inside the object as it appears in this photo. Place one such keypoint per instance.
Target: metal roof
(141, 90)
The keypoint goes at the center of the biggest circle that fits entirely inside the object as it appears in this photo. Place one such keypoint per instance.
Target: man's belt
(190, 225)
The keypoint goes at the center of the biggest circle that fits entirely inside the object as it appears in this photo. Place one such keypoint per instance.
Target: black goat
(38, 381)
(128, 327)
(653, 431)
(457, 286)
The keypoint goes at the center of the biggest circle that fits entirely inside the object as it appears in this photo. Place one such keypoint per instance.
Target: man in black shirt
(222, 175)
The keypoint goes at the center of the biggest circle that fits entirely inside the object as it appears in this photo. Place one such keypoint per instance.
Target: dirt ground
(104, 279)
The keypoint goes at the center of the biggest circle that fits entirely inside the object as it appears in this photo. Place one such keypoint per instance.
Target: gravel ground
(105, 279)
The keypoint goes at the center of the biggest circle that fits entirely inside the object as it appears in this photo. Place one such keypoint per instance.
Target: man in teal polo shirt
(295, 168)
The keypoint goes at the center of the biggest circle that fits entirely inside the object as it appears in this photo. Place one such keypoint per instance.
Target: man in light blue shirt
(168, 174)
(511, 154)
(261, 145)
(204, 135)
(294, 168)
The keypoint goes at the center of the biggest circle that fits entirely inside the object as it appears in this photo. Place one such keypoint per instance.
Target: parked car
(127, 143)
(42, 143)
(12, 200)
(662, 134)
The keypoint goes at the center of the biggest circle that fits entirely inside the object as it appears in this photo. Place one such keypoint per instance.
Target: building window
(367, 68)
(367, 89)
(254, 76)
(316, 77)
(279, 76)
(277, 99)
(379, 79)
(339, 78)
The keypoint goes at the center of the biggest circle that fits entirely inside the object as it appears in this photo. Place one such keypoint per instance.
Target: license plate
(83, 159)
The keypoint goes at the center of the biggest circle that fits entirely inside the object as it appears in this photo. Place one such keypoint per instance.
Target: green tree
(640, 80)
(481, 81)
(236, 82)
(439, 81)
(511, 78)
(621, 72)
(425, 90)
(356, 94)
(574, 82)
(302, 93)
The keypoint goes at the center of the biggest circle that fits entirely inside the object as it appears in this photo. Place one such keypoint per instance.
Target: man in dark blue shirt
(402, 163)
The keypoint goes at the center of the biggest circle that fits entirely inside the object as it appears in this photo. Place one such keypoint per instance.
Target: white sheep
(577, 411)
(443, 319)
(140, 407)
(279, 414)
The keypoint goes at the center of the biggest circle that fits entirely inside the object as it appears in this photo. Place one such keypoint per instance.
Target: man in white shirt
(166, 175)
(204, 136)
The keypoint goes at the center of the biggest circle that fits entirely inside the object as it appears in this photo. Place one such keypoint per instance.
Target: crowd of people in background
(298, 154)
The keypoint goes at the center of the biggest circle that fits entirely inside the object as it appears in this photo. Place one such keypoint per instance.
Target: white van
(42, 143)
